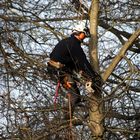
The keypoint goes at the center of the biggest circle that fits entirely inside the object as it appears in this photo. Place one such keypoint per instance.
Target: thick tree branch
(114, 114)
(120, 55)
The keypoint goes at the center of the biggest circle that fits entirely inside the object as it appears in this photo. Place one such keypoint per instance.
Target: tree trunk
(93, 50)
(95, 112)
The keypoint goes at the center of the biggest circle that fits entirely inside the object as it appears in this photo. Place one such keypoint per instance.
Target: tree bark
(93, 50)
(95, 112)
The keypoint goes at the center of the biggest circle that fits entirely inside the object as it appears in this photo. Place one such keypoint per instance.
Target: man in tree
(68, 56)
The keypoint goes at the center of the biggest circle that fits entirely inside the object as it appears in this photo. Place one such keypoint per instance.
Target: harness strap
(55, 64)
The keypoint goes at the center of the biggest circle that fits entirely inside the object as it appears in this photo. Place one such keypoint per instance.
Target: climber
(68, 56)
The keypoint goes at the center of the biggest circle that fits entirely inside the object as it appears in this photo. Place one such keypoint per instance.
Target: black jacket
(69, 52)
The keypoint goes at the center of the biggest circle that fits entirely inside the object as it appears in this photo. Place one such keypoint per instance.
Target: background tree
(28, 32)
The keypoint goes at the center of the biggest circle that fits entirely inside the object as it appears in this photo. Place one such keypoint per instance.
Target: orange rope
(70, 112)
(56, 94)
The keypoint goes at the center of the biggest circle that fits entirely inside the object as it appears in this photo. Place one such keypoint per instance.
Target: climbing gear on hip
(55, 64)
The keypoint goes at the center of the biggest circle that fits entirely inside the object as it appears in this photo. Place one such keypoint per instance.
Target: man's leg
(73, 95)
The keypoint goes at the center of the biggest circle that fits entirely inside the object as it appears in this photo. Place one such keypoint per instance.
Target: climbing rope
(70, 111)
(56, 94)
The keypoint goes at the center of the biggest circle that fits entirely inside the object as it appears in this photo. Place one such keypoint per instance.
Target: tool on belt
(55, 64)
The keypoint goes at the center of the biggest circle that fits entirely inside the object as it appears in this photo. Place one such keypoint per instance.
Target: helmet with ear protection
(81, 28)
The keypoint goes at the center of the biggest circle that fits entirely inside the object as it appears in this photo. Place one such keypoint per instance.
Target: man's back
(69, 52)
(63, 51)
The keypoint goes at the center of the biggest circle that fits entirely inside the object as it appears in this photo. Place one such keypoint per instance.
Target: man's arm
(81, 62)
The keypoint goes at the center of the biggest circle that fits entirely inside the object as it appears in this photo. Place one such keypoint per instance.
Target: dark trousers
(66, 79)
